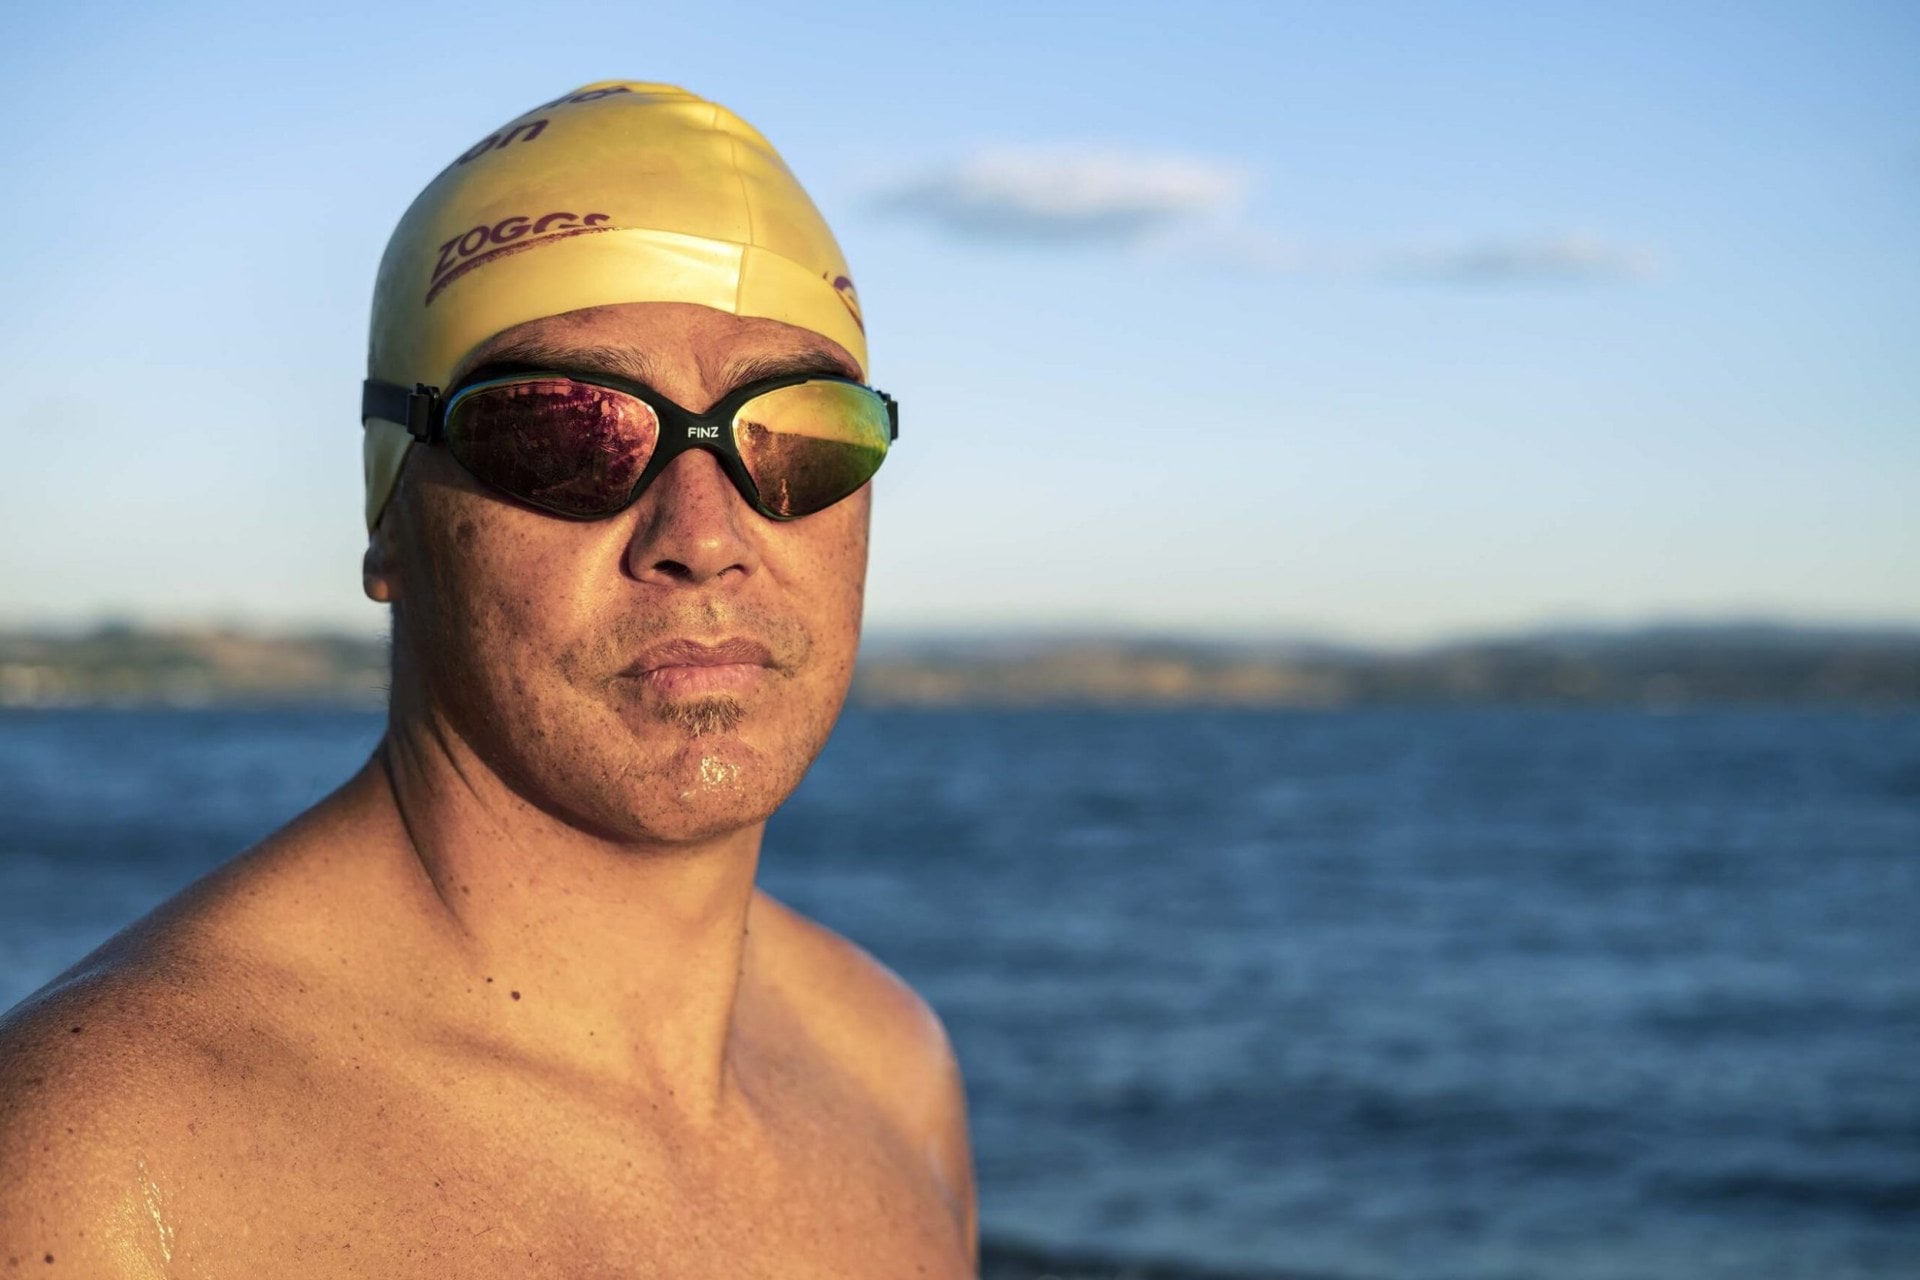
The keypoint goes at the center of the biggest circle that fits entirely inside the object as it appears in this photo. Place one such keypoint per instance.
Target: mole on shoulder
(514, 994)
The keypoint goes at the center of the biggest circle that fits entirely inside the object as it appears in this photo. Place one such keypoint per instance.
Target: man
(508, 1002)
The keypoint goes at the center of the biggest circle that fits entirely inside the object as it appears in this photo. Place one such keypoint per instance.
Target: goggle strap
(417, 409)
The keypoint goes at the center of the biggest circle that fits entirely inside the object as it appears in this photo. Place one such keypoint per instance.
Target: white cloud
(1069, 196)
(1191, 209)
(1233, 245)
(1563, 259)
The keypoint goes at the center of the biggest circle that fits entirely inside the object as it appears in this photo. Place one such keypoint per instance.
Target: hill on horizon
(1662, 665)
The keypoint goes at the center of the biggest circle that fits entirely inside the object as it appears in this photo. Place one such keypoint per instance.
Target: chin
(701, 768)
(658, 770)
(712, 786)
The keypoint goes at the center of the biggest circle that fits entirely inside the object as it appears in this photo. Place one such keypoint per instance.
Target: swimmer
(509, 1002)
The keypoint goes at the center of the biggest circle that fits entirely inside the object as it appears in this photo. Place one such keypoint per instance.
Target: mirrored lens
(809, 445)
(567, 446)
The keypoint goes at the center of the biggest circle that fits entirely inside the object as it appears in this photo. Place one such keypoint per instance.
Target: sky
(1378, 322)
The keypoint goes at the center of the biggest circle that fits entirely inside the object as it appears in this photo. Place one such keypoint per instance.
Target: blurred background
(1394, 632)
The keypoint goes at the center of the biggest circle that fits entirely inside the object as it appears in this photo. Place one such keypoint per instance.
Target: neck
(617, 958)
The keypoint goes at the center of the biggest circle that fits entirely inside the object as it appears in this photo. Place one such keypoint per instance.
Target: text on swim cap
(528, 130)
(501, 137)
(591, 95)
(848, 298)
(487, 241)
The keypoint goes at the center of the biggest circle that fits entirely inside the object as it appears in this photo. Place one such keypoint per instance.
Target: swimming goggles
(586, 447)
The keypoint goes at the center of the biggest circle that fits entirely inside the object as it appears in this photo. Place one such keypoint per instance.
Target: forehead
(665, 345)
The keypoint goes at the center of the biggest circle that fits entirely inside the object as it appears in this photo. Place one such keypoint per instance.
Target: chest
(386, 1183)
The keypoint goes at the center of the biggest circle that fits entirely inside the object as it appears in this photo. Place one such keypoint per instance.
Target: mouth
(690, 668)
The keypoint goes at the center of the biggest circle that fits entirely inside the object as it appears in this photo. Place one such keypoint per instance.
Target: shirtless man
(508, 1003)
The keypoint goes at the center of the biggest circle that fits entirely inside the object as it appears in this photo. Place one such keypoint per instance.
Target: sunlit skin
(514, 628)
(509, 1001)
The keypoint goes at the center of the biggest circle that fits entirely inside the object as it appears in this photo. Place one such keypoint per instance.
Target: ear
(380, 567)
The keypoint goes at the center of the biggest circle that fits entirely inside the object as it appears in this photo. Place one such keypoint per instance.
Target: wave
(1896, 1198)
(1016, 1260)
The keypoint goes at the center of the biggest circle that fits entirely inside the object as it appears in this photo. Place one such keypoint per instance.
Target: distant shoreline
(1658, 667)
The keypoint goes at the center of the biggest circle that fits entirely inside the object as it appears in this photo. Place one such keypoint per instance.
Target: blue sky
(1384, 322)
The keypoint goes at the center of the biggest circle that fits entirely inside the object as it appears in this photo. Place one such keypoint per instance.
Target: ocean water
(1442, 995)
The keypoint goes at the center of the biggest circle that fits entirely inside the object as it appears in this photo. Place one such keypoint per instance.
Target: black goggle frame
(423, 412)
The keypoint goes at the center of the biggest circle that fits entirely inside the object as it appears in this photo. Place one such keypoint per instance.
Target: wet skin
(508, 1002)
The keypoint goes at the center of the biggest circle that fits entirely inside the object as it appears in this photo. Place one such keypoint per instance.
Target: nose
(692, 527)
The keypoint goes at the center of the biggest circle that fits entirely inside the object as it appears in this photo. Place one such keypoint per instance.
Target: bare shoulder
(137, 1065)
(848, 994)
(99, 1075)
(880, 1029)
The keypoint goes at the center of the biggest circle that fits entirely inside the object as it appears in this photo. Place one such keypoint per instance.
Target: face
(666, 674)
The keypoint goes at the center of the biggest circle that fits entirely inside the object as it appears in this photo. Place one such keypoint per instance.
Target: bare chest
(384, 1183)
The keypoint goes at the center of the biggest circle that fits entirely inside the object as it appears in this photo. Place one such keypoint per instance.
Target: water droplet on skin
(715, 772)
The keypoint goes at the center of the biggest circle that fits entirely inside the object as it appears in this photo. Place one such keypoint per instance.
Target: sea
(1434, 994)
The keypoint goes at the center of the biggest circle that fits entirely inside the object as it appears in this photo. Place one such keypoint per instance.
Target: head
(666, 673)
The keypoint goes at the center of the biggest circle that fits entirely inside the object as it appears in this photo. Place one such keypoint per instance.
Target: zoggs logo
(488, 241)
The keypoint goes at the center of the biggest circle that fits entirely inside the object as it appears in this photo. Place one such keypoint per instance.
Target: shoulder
(123, 1084)
(97, 1076)
(846, 991)
(136, 1081)
(881, 1030)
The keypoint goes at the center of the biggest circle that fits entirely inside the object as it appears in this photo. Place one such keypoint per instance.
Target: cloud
(1231, 245)
(1561, 260)
(1069, 197)
(1183, 208)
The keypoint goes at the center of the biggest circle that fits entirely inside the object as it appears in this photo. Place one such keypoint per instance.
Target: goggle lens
(809, 445)
(580, 448)
(568, 446)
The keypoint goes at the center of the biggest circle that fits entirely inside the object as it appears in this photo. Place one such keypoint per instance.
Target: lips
(692, 653)
(687, 666)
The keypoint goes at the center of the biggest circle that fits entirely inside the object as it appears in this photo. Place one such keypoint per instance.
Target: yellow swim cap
(615, 192)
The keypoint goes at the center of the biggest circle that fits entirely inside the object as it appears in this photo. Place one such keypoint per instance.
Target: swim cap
(615, 192)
